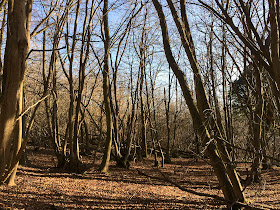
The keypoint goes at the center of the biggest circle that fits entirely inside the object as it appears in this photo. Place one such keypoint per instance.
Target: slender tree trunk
(131, 119)
(257, 126)
(155, 126)
(52, 117)
(104, 167)
(142, 67)
(167, 115)
(227, 116)
(115, 114)
(168, 154)
(152, 129)
(84, 54)
(74, 163)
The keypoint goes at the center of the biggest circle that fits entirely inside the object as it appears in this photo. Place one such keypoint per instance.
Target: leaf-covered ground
(41, 186)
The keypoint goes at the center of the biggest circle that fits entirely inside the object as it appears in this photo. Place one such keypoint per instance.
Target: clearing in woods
(41, 186)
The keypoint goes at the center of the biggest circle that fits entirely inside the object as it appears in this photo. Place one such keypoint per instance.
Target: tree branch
(43, 50)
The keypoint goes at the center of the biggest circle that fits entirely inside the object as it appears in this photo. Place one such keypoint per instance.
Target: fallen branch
(216, 197)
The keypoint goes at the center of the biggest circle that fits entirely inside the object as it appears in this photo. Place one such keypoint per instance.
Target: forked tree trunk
(227, 177)
(202, 101)
(84, 54)
(142, 56)
(74, 162)
(131, 120)
(52, 116)
(167, 100)
(151, 127)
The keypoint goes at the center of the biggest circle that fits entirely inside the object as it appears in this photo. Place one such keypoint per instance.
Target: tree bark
(203, 104)
(104, 167)
(229, 188)
(17, 43)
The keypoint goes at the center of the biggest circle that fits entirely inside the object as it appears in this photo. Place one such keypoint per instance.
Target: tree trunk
(17, 46)
(257, 126)
(227, 177)
(104, 167)
(74, 162)
(17, 139)
(142, 67)
(2, 29)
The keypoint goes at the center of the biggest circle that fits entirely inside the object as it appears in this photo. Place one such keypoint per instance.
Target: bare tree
(226, 174)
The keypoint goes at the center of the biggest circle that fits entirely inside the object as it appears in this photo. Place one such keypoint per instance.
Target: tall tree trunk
(74, 163)
(17, 43)
(84, 54)
(17, 139)
(152, 129)
(104, 167)
(2, 29)
(226, 109)
(52, 117)
(18, 132)
(131, 119)
(203, 104)
(167, 100)
(115, 113)
(142, 67)
(226, 175)
(55, 131)
(274, 41)
(257, 126)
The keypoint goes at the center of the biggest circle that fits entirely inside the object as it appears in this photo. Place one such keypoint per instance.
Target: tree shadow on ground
(29, 200)
(129, 176)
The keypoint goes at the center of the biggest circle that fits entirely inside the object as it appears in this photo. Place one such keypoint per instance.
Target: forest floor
(41, 186)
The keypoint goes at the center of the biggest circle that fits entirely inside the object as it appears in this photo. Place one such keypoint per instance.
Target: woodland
(139, 104)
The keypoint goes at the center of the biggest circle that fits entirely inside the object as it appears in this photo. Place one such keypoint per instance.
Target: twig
(249, 150)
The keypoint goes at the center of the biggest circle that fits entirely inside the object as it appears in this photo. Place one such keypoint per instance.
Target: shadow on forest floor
(42, 186)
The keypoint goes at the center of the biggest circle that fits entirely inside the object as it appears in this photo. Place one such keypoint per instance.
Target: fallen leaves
(42, 187)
